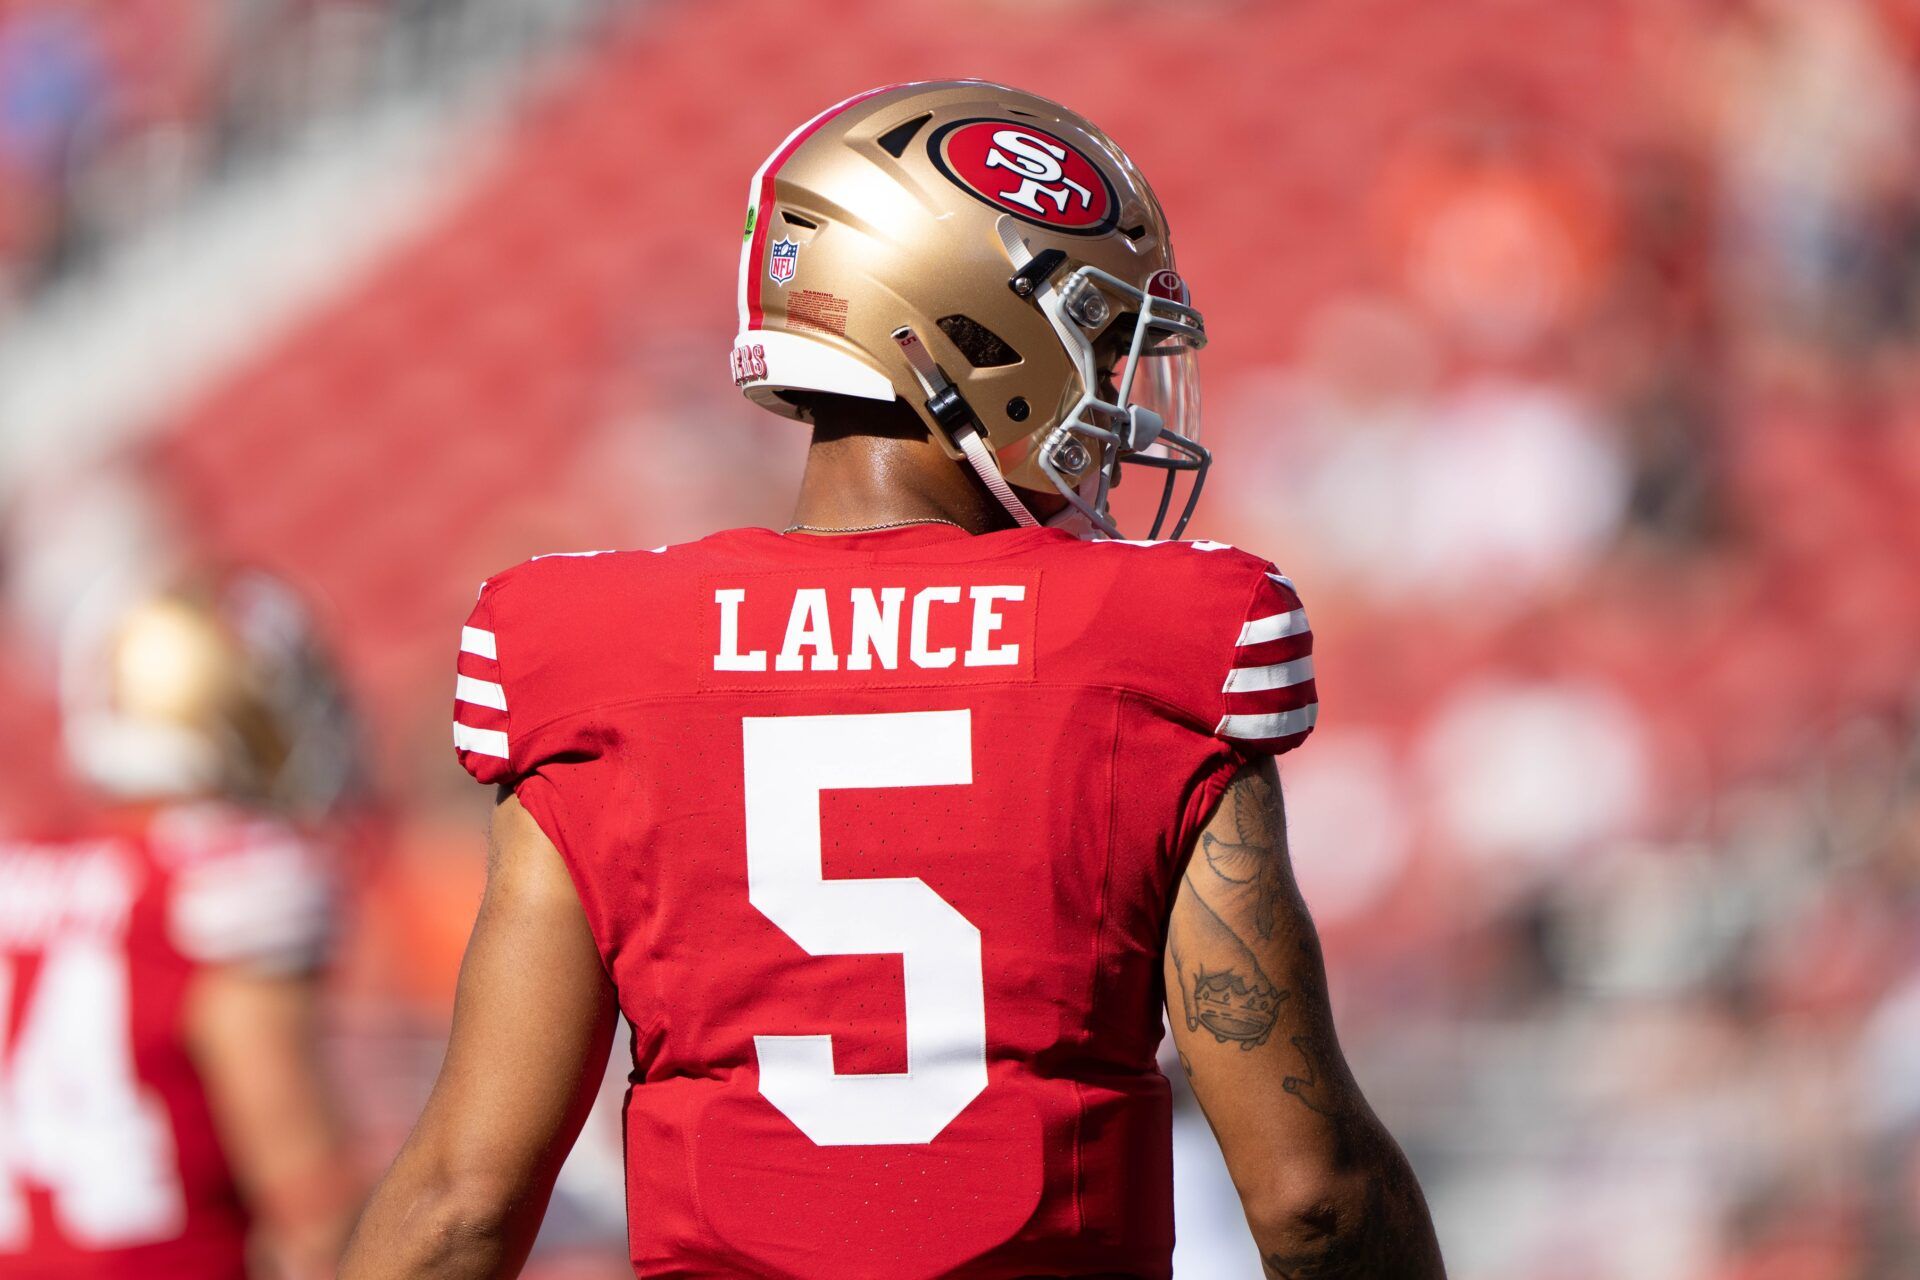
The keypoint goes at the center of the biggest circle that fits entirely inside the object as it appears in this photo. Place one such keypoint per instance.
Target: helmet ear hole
(983, 348)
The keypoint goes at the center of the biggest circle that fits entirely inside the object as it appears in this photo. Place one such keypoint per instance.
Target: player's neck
(858, 482)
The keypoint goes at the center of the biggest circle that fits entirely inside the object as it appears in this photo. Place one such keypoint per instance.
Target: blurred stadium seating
(1568, 356)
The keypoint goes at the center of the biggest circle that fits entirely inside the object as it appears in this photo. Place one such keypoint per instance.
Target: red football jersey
(110, 1168)
(877, 835)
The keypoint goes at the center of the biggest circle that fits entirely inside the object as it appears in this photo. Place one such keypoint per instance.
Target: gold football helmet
(215, 687)
(992, 259)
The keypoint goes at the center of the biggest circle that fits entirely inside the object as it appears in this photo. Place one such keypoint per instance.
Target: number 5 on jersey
(790, 760)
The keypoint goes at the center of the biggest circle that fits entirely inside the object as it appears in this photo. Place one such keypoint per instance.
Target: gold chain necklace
(874, 528)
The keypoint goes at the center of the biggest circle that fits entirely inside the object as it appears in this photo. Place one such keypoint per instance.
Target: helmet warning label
(816, 309)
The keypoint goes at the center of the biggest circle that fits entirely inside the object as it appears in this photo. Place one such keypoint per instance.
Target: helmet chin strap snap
(950, 409)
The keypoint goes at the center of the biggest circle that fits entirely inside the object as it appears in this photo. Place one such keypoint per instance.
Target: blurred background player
(163, 1107)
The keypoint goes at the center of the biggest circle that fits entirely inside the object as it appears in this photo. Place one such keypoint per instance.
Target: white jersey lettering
(871, 620)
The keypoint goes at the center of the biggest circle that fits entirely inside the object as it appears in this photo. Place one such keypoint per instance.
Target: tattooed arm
(1327, 1191)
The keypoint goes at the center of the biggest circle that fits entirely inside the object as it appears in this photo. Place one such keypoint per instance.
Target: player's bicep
(1246, 987)
(533, 1021)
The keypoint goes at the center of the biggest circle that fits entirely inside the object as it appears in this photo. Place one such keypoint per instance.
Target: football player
(889, 832)
(162, 1115)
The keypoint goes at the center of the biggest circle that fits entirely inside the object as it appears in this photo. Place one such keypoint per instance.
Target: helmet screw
(1090, 309)
(1017, 409)
(1071, 457)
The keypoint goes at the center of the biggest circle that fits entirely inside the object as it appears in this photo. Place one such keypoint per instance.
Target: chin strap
(981, 459)
(950, 410)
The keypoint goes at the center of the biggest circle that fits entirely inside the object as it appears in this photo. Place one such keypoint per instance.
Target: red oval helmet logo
(1166, 283)
(1028, 173)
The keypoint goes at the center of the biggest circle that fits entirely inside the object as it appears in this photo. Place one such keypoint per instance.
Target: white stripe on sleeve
(1283, 724)
(477, 642)
(481, 693)
(486, 742)
(1281, 675)
(1275, 627)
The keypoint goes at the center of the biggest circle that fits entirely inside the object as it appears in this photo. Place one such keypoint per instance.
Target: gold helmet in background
(995, 261)
(214, 687)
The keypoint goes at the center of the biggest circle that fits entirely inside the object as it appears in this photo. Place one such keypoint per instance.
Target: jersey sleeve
(245, 891)
(481, 729)
(1268, 700)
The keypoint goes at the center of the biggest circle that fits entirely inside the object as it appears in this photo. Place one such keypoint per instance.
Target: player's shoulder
(562, 582)
(1192, 578)
(556, 601)
(556, 577)
(1175, 555)
(1216, 632)
(559, 632)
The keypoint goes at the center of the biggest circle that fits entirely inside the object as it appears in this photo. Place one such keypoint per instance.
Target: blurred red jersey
(877, 835)
(110, 1168)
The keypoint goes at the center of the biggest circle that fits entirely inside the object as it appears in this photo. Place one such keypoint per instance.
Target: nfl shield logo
(780, 262)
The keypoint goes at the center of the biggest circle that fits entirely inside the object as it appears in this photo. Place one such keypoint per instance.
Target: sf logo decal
(1036, 162)
(1027, 172)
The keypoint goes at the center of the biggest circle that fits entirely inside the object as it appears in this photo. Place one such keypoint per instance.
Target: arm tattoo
(1318, 1089)
(1233, 998)
(1225, 990)
(1240, 917)
(1249, 863)
(1313, 1089)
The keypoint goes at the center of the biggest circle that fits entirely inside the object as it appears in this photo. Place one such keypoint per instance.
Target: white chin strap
(980, 458)
(964, 432)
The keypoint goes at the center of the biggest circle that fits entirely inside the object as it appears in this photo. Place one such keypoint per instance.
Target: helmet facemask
(1138, 398)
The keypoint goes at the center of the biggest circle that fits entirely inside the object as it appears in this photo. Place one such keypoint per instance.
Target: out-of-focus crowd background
(1566, 354)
